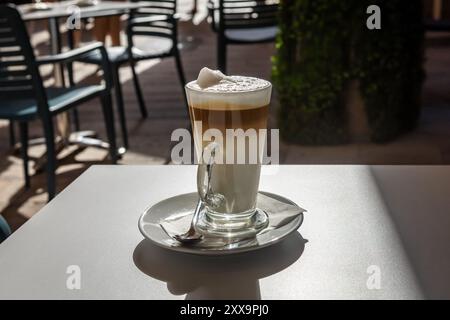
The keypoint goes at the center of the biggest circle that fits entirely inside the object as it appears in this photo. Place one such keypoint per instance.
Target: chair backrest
(18, 70)
(166, 24)
(246, 14)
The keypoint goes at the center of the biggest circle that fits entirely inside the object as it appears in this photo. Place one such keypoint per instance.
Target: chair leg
(24, 150)
(51, 157)
(221, 55)
(109, 123)
(120, 107)
(181, 77)
(138, 90)
(12, 133)
(179, 66)
(71, 43)
(76, 119)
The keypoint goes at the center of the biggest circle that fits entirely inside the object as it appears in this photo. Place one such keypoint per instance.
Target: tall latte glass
(229, 122)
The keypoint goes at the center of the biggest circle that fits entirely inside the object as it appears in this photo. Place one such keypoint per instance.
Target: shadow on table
(417, 200)
(224, 277)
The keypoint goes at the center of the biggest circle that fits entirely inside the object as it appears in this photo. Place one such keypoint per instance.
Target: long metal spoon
(191, 235)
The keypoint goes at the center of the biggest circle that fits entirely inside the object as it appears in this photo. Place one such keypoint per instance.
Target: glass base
(247, 227)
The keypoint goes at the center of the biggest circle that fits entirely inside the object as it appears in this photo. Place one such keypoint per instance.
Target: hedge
(323, 44)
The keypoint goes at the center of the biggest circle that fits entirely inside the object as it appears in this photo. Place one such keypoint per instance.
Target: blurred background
(344, 94)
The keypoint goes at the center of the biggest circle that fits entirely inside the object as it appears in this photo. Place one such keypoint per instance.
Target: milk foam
(207, 77)
(238, 94)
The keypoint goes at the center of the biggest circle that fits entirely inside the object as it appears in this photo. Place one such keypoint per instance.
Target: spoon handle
(196, 213)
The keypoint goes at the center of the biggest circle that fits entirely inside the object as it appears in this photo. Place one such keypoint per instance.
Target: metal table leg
(437, 9)
(194, 8)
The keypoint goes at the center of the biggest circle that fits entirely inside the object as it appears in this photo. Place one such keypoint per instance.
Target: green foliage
(323, 44)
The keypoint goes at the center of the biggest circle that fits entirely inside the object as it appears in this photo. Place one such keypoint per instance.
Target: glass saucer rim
(162, 243)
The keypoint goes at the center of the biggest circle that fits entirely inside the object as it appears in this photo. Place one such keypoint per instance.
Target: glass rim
(187, 87)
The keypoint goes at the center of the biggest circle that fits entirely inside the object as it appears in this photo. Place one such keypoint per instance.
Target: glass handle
(204, 176)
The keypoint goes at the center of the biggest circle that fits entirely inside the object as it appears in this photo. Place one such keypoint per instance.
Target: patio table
(390, 222)
(60, 10)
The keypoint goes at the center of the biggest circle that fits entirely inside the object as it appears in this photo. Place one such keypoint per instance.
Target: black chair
(242, 22)
(24, 98)
(5, 230)
(12, 134)
(158, 21)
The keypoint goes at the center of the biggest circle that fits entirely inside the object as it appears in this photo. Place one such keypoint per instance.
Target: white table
(394, 217)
